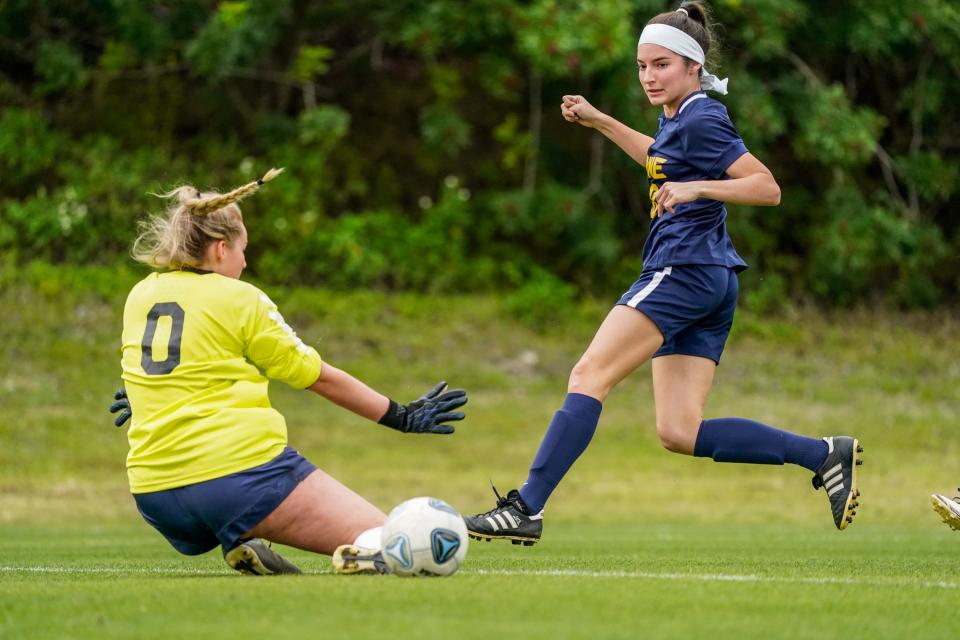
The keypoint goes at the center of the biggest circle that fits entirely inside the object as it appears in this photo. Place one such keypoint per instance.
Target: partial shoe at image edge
(947, 509)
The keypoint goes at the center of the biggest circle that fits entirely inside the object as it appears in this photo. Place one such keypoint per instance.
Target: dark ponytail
(694, 21)
(697, 12)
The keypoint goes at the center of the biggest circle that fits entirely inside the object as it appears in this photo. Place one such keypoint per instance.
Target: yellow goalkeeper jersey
(198, 349)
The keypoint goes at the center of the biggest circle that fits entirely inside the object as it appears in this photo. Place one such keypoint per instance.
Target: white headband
(682, 44)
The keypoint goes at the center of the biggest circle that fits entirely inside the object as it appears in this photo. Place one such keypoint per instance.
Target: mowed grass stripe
(559, 573)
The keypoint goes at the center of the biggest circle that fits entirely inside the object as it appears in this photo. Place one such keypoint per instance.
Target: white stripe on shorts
(647, 290)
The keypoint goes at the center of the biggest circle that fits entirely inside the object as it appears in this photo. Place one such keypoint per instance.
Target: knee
(588, 378)
(677, 435)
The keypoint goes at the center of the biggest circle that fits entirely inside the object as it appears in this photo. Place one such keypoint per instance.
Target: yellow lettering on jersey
(161, 339)
(655, 167)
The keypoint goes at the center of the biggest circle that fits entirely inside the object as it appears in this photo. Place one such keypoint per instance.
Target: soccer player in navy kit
(209, 463)
(680, 310)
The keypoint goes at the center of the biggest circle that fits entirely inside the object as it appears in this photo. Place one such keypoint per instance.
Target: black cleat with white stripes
(509, 520)
(838, 477)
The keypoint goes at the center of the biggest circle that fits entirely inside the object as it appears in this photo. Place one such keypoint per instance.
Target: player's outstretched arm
(634, 144)
(426, 414)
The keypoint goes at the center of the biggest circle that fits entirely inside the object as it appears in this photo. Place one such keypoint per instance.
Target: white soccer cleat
(350, 559)
(948, 508)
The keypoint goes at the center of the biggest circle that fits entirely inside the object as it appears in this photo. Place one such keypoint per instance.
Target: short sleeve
(711, 142)
(273, 346)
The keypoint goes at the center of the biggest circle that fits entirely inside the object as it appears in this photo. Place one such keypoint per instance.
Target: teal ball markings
(444, 544)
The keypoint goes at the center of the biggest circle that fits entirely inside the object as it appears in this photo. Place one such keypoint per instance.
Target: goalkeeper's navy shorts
(198, 517)
(692, 305)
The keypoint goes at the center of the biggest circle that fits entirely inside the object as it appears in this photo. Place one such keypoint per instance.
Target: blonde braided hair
(203, 205)
(180, 236)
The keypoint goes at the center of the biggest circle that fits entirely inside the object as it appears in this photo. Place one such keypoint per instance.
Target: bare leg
(681, 385)
(626, 339)
(319, 515)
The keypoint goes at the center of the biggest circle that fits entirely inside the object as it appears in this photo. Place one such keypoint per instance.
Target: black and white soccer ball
(424, 537)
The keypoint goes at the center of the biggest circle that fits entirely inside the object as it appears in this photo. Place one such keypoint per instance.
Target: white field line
(560, 573)
(722, 577)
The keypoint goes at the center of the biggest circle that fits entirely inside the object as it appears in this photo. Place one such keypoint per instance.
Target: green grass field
(678, 580)
(639, 542)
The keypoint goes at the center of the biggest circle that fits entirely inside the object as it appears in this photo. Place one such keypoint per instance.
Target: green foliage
(116, 57)
(558, 216)
(381, 249)
(935, 178)
(370, 104)
(444, 130)
(541, 300)
(437, 26)
(770, 294)
(236, 35)
(28, 146)
(833, 132)
(562, 39)
(323, 126)
(767, 121)
(59, 68)
(765, 27)
(516, 143)
(312, 61)
(863, 244)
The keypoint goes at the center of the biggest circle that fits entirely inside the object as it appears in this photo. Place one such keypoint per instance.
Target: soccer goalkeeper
(209, 463)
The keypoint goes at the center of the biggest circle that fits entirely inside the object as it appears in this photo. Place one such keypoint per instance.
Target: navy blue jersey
(698, 143)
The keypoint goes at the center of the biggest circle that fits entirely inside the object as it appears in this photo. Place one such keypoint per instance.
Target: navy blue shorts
(692, 305)
(198, 517)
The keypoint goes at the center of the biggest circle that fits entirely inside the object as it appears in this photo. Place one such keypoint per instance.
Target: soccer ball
(424, 537)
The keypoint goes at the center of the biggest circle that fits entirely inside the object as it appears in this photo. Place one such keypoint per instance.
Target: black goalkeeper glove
(427, 413)
(122, 404)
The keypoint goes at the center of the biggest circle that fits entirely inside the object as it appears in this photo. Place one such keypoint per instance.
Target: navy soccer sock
(742, 440)
(567, 437)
